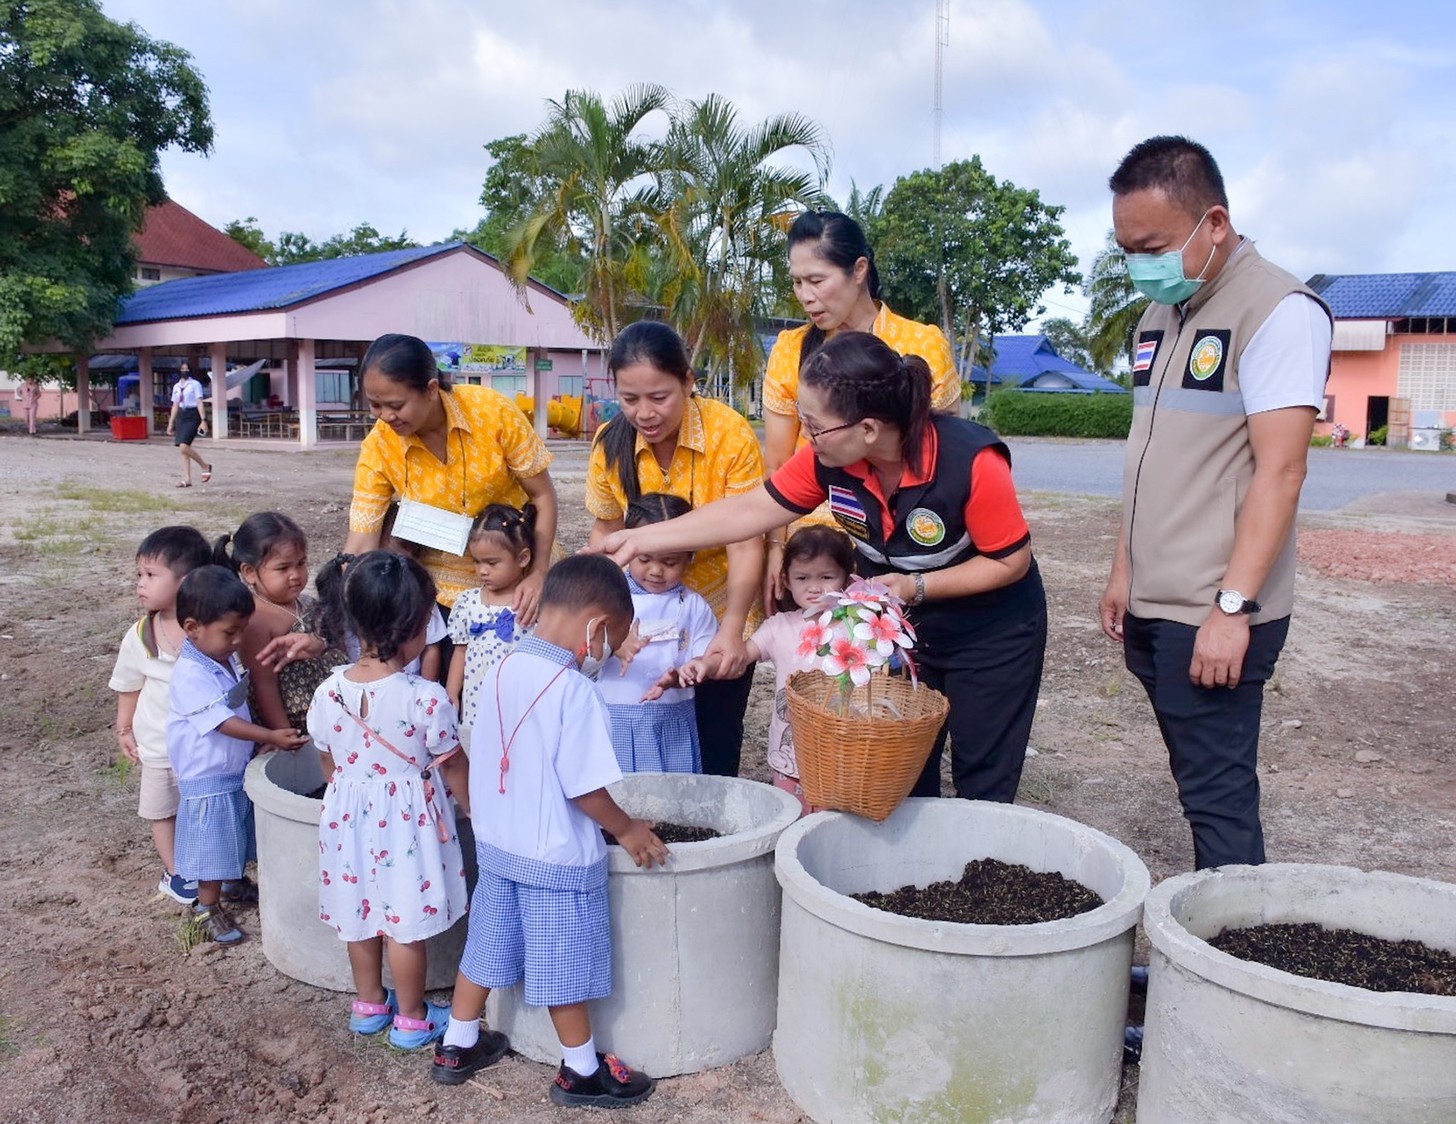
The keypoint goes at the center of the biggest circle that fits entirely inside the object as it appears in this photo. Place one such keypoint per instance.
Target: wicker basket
(862, 755)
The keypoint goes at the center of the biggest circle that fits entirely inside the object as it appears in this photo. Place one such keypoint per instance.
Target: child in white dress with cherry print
(390, 868)
(818, 560)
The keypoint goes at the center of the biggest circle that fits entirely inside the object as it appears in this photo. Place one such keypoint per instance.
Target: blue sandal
(371, 1018)
(411, 1034)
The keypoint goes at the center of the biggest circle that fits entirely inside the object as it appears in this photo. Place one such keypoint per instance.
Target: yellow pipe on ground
(562, 414)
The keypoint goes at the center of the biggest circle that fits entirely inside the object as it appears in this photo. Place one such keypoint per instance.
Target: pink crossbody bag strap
(441, 831)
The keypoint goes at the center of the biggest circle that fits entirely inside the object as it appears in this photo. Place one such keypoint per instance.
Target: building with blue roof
(1394, 359)
(1030, 362)
(295, 320)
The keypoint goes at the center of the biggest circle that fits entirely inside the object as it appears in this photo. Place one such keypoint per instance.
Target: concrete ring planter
(883, 1017)
(1230, 1040)
(694, 944)
(295, 941)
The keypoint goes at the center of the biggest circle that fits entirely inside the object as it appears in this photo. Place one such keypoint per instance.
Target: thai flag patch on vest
(1146, 349)
(844, 505)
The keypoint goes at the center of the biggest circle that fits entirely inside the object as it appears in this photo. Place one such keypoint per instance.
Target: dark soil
(671, 833)
(1344, 957)
(990, 892)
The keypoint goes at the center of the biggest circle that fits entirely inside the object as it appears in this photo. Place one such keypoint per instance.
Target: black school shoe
(613, 1085)
(455, 1065)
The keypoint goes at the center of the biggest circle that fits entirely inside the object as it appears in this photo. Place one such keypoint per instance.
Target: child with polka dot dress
(390, 869)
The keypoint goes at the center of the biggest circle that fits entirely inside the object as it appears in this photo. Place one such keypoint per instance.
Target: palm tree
(600, 197)
(728, 208)
(1116, 306)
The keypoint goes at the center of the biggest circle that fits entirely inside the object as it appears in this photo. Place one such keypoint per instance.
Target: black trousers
(1212, 733)
(719, 705)
(992, 684)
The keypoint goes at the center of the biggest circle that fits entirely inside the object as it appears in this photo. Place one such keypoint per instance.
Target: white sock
(464, 1033)
(582, 1059)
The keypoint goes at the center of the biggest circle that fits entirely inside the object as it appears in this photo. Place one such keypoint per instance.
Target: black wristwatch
(1232, 602)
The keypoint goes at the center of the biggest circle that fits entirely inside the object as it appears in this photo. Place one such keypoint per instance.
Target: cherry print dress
(383, 868)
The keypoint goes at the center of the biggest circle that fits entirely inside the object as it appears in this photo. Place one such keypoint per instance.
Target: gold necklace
(297, 616)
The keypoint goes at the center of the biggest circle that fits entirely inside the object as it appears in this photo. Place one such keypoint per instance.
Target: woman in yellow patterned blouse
(833, 271)
(667, 439)
(453, 448)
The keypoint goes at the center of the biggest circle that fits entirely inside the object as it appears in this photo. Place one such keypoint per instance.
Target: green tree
(1069, 339)
(513, 187)
(957, 247)
(86, 106)
(246, 232)
(1116, 306)
(294, 247)
(598, 197)
(728, 206)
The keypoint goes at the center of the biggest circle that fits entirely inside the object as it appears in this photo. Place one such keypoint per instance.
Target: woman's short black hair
(863, 377)
(404, 359)
(180, 549)
(655, 507)
(210, 593)
(389, 598)
(259, 534)
(587, 581)
(840, 241)
(657, 345)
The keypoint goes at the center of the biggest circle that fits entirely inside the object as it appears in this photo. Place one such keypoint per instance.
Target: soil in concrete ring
(990, 892)
(1345, 957)
(671, 833)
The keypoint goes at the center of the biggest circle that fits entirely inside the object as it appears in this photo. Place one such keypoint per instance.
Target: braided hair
(863, 377)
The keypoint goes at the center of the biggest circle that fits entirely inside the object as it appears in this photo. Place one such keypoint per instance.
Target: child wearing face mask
(540, 762)
(674, 625)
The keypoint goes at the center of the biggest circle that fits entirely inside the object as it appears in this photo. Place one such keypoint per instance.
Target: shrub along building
(1394, 361)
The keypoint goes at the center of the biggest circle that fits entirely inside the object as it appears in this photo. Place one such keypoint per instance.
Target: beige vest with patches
(1189, 461)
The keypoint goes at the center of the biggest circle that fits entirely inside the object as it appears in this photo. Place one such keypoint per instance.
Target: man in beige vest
(1229, 367)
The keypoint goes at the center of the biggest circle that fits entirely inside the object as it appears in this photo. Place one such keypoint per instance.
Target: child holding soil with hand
(210, 739)
(541, 760)
(142, 680)
(390, 869)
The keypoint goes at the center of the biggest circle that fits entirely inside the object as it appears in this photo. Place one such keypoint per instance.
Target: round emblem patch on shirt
(925, 527)
(1207, 354)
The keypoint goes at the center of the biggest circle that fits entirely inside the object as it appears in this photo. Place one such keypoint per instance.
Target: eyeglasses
(815, 434)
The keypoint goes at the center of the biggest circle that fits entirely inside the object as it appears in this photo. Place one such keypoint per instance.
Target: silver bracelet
(919, 590)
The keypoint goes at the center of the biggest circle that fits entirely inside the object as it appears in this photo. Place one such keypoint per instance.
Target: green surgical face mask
(1160, 277)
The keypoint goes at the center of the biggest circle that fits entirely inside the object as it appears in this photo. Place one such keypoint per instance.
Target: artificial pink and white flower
(848, 658)
(814, 637)
(882, 634)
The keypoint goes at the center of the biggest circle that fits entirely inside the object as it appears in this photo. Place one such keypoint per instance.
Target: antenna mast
(942, 40)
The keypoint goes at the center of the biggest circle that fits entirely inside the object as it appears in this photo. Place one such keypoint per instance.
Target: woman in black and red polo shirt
(931, 507)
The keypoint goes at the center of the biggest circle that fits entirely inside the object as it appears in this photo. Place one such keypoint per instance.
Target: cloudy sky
(1332, 120)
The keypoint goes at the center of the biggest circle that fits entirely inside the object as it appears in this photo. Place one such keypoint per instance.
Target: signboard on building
(479, 358)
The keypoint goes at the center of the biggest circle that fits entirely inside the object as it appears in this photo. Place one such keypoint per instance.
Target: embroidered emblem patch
(1205, 358)
(925, 527)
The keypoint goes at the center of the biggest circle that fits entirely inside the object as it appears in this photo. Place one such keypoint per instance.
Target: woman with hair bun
(931, 507)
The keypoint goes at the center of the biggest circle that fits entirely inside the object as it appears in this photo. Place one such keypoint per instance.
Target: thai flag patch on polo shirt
(844, 505)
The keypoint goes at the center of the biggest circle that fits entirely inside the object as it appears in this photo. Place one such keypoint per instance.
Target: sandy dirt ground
(105, 1015)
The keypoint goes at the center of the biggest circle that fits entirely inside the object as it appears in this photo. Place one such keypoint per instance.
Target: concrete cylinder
(295, 941)
(883, 1017)
(1230, 1041)
(694, 944)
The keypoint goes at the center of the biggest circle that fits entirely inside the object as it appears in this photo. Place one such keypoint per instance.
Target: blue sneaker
(411, 1034)
(371, 1018)
(177, 888)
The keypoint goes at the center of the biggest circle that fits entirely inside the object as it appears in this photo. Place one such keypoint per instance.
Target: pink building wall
(1358, 376)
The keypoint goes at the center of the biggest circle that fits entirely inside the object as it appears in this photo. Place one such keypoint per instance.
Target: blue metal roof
(1022, 361)
(259, 290)
(1387, 296)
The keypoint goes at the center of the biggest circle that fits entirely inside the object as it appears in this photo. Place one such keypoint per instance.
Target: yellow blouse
(489, 448)
(717, 455)
(908, 337)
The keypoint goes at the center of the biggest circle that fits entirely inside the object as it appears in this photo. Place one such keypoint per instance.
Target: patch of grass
(118, 770)
(119, 500)
(8, 1046)
(1038, 786)
(1113, 686)
(190, 932)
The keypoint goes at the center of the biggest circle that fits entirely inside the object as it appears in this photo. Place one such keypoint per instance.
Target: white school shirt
(187, 394)
(678, 626)
(562, 749)
(138, 670)
(194, 744)
(435, 631)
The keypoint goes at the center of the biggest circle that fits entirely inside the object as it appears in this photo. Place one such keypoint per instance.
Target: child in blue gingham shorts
(544, 923)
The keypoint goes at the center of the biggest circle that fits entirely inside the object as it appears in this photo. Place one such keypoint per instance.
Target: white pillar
(83, 393)
(218, 356)
(146, 388)
(540, 411)
(307, 394)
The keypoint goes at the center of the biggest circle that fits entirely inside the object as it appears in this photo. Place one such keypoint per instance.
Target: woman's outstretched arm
(729, 520)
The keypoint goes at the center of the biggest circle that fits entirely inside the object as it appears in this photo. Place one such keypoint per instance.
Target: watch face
(1229, 601)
